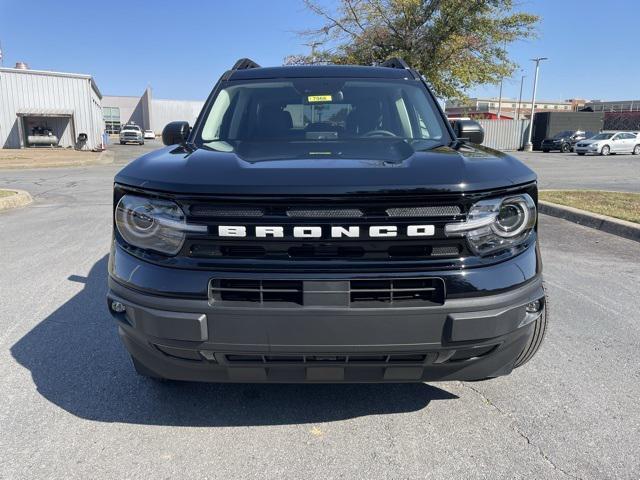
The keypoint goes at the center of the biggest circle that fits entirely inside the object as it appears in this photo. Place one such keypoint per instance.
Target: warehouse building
(56, 109)
(41, 108)
(148, 112)
(614, 105)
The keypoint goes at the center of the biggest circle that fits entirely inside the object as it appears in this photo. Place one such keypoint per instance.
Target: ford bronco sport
(326, 224)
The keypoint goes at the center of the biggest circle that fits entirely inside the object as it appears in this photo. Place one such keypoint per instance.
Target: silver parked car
(608, 142)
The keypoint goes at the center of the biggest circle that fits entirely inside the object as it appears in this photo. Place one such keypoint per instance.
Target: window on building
(111, 119)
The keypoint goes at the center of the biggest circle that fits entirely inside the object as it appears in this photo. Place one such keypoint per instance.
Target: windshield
(131, 127)
(602, 136)
(323, 117)
(565, 134)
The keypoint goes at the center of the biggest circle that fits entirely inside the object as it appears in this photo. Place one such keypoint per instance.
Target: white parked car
(148, 134)
(605, 143)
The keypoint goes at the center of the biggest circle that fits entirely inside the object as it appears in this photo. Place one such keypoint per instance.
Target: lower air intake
(418, 292)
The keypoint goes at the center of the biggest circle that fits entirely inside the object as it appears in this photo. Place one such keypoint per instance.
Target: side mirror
(175, 133)
(469, 130)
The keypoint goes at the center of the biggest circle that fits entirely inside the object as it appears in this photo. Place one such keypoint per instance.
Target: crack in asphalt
(520, 433)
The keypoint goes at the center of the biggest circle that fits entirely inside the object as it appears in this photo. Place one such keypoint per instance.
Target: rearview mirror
(469, 130)
(175, 133)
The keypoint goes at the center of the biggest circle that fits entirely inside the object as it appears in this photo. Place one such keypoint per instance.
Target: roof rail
(244, 64)
(395, 62)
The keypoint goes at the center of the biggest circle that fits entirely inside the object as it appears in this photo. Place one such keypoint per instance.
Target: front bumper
(594, 150)
(550, 146)
(185, 337)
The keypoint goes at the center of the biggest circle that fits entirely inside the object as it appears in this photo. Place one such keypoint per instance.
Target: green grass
(625, 206)
(6, 193)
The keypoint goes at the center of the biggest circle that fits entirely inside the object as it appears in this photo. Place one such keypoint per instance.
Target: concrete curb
(19, 199)
(621, 228)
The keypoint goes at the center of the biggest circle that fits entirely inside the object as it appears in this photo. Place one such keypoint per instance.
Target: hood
(443, 170)
(588, 141)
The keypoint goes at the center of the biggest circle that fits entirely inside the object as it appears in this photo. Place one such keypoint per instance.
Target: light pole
(313, 46)
(520, 98)
(528, 146)
(500, 100)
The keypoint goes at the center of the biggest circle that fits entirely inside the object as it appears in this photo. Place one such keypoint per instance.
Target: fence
(622, 121)
(504, 134)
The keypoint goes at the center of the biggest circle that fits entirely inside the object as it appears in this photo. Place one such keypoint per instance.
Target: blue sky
(181, 48)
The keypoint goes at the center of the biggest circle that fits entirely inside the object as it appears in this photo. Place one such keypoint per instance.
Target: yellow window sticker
(319, 98)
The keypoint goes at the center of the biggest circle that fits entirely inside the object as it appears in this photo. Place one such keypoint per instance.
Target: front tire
(606, 150)
(533, 345)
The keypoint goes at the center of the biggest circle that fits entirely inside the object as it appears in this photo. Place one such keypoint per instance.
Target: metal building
(120, 110)
(147, 112)
(40, 108)
(165, 111)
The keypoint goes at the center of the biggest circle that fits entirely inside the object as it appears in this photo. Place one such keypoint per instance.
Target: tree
(455, 44)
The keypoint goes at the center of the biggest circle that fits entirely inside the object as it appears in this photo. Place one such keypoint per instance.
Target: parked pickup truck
(326, 224)
(131, 133)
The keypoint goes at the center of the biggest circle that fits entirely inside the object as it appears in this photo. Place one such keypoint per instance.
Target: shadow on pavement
(77, 362)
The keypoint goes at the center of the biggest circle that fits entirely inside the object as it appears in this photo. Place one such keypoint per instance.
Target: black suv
(565, 140)
(326, 224)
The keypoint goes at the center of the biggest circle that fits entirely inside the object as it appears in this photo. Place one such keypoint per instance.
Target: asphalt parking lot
(71, 406)
(569, 170)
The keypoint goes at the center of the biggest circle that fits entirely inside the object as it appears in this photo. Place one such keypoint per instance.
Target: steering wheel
(379, 133)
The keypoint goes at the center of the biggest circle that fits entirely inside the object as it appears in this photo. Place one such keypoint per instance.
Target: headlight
(152, 224)
(496, 223)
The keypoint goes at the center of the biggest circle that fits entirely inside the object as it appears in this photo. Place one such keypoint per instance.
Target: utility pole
(500, 100)
(313, 46)
(520, 98)
(528, 146)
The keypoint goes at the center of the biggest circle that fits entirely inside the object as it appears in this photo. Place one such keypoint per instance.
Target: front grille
(324, 213)
(345, 213)
(203, 210)
(356, 293)
(437, 211)
(325, 251)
